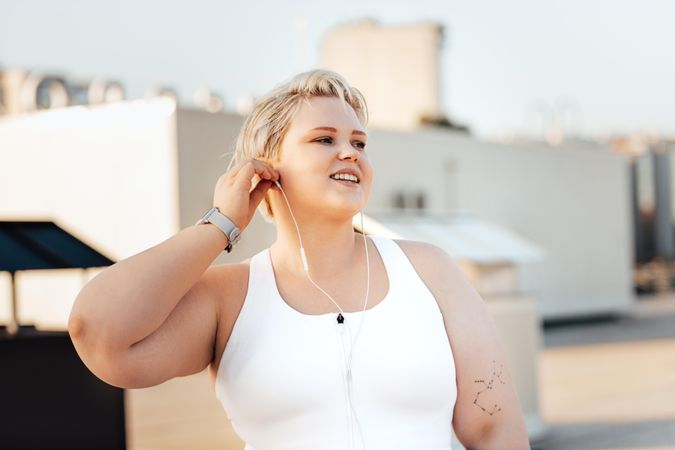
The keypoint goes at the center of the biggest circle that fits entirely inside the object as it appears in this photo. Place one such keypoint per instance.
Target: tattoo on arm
(489, 385)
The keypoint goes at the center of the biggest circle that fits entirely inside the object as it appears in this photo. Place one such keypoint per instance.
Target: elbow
(76, 327)
(91, 331)
(507, 435)
(79, 320)
(110, 366)
(498, 433)
(101, 361)
(84, 334)
(101, 350)
(481, 437)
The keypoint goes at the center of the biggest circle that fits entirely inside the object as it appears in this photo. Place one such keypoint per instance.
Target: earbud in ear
(277, 183)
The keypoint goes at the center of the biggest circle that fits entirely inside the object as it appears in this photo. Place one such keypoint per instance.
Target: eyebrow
(334, 130)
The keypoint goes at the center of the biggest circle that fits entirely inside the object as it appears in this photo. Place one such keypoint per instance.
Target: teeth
(345, 176)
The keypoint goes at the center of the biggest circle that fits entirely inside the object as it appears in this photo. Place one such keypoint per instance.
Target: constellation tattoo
(490, 385)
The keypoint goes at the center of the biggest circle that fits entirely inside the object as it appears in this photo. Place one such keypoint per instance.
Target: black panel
(26, 245)
(49, 399)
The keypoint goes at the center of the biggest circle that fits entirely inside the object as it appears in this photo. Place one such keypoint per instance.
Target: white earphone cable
(306, 266)
(348, 359)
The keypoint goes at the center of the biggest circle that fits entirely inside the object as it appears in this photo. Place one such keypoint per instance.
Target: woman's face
(324, 138)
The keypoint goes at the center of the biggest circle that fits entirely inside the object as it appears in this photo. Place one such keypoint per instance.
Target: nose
(347, 151)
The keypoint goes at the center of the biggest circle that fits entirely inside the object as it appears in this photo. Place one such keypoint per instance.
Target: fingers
(258, 192)
(233, 193)
(246, 169)
(255, 167)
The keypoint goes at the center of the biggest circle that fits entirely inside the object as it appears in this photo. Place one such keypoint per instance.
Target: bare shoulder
(423, 253)
(228, 278)
(437, 269)
(459, 301)
(229, 283)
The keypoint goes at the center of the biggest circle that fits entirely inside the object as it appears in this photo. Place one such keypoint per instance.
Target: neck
(331, 246)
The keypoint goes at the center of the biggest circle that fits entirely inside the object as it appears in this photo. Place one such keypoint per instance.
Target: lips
(348, 184)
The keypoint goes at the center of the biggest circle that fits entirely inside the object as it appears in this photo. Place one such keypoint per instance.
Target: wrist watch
(228, 227)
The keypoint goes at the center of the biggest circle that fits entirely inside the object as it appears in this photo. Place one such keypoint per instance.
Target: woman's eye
(329, 140)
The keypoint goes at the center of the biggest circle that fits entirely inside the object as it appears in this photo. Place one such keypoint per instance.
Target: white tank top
(280, 379)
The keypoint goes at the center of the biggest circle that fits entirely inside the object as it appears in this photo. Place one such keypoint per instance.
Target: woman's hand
(233, 195)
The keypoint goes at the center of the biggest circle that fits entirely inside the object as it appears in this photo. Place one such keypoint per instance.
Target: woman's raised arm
(159, 304)
(153, 316)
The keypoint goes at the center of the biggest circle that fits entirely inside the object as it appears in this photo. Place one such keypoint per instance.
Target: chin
(346, 210)
(344, 202)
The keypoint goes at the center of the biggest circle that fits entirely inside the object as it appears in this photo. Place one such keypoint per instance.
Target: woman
(281, 331)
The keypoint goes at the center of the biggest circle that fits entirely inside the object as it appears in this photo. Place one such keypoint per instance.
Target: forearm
(129, 300)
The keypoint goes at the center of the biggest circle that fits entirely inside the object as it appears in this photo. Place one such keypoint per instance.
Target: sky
(604, 67)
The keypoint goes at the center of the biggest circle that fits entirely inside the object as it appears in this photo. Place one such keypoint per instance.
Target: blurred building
(652, 163)
(397, 67)
(24, 91)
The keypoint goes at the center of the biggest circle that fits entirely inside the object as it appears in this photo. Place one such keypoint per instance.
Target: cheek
(368, 172)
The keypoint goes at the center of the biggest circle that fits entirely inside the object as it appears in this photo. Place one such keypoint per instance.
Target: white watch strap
(220, 220)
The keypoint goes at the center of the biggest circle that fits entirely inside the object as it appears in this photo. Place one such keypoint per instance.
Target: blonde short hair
(266, 125)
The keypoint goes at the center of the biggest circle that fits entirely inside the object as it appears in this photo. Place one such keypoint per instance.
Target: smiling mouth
(347, 182)
(349, 178)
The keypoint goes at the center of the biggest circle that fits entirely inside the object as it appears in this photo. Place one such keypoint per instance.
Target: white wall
(574, 202)
(106, 174)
